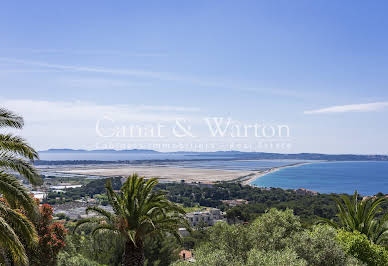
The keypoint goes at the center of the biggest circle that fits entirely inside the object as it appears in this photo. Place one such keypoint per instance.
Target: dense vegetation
(105, 248)
(18, 210)
(276, 227)
(51, 238)
(274, 238)
(277, 238)
(308, 207)
(139, 211)
(362, 216)
(95, 187)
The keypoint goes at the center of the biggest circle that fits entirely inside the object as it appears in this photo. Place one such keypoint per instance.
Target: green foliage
(319, 246)
(240, 244)
(107, 249)
(206, 256)
(307, 207)
(138, 212)
(161, 251)
(234, 240)
(95, 188)
(103, 249)
(51, 238)
(284, 257)
(358, 245)
(360, 215)
(195, 239)
(64, 259)
(274, 229)
(16, 229)
(62, 216)
(274, 238)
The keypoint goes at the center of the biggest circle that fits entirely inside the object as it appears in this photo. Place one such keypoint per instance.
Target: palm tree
(15, 153)
(17, 207)
(360, 215)
(138, 211)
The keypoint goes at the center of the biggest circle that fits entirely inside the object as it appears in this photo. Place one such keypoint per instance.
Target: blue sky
(319, 67)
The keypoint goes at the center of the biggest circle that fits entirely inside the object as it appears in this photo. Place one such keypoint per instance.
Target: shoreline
(163, 173)
(248, 181)
(167, 173)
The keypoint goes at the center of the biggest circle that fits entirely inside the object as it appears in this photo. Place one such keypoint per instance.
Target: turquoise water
(368, 178)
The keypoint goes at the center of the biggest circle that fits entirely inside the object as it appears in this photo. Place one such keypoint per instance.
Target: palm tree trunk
(133, 255)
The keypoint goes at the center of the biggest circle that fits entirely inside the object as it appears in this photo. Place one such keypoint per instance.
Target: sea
(367, 177)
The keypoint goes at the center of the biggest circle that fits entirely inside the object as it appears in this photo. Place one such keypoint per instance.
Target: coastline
(248, 181)
(167, 173)
(163, 173)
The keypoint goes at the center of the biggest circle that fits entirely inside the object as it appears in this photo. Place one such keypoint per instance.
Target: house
(183, 232)
(303, 191)
(186, 255)
(208, 217)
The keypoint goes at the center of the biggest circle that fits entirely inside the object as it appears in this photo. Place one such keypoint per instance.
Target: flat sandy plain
(168, 174)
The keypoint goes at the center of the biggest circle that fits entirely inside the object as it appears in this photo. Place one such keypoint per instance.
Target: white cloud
(97, 52)
(19, 70)
(364, 107)
(41, 111)
(100, 70)
(101, 83)
(73, 123)
(158, 75)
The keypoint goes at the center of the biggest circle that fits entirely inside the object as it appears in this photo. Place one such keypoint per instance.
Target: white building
(209, 217)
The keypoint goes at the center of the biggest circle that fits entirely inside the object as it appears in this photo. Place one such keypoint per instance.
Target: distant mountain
(63, 150)
(97, 151)
(235, 155)
(211, 152)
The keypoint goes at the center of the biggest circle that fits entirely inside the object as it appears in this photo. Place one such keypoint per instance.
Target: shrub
(319, 246)
(51, 238)
(274, 258)
(64, 259)
(358, 245)
(206, 256)
(273, 229)
(232, 239)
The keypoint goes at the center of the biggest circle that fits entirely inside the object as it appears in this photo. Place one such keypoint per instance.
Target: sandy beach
(249, 179)
(169, 173)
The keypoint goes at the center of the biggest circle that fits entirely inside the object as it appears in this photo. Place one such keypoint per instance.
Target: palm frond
(132, 237)
(356, 215)
(20, 224)
(24, 168)
(19, 210)
(92, 220)
(10, 241)
(10, 119)
(17, 145)
(112, 197)
(138, 211)
(16, 194)
(109, 216)
(102, 227)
